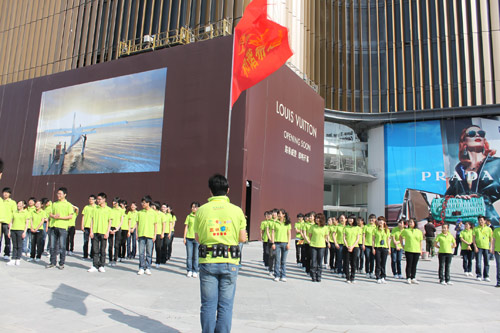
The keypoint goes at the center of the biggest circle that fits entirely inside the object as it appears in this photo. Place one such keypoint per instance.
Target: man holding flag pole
(260, 47)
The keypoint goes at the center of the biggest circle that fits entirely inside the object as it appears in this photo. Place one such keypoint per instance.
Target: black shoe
(318, 280)
(61, 267)
(50, 266)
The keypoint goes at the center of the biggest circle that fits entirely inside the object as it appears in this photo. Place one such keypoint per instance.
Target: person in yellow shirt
(70, 240)
(173, 219)
(219, 227)
(167, 219)
(147, 224)
(131, 217)
(27, 240)
(264, 238)
(381, 249)
(351, 248)
(481, 237)
(280, 240)
(467, 248)
(38, 218)
(413, 238)
(115, 232)
(86, 220)
(319, 239)
(445, 242)
(299, 241)
(9, 206)
(17, 232)
(191, 243)
(124, 232)
(100, 226)
(332, 249)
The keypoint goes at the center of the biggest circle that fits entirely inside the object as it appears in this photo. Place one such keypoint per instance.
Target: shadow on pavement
(139, 322)
(69, 298)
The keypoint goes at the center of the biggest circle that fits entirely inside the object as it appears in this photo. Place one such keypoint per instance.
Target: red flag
(260, 48)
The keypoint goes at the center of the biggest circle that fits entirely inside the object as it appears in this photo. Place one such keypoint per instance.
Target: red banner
(260, 48)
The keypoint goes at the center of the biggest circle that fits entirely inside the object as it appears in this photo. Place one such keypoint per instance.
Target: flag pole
(230, 108)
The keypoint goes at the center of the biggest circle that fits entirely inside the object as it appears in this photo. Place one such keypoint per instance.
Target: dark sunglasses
(473, 133)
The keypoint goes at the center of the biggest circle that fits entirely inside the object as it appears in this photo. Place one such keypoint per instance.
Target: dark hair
(287, 219)
(102, 195)
(92, 196)
(157, 205)
(7, 189)
(481, 217)
(360, 220)
(116, 199)
(147, 199)
(44, 201)
(414, 223)
(321, 218)
(218, 185)
(372, 216)
(1, 165)
(300, 215)
(123, 202)
(24, 203)
(63, 190)
(32, 198)
(195, 203)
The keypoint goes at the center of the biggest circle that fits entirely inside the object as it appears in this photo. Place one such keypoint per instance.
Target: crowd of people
(353, 246)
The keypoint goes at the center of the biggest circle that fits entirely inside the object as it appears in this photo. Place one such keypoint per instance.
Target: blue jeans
(280, 260)
(217, 289)
(27, 242)
(497, 259)
(396, 256)
(340, 258)
(131, 245)
(58, 245)
(192, 255)
(145, 252)
(370, 259)
(484, 253)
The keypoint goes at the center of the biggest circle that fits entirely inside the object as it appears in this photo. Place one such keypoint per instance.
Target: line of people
(353, 246)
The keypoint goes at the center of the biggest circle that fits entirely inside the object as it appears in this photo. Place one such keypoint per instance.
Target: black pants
(303, 255)
(307, 259)
(272, 255)
(169, 245)
(411, 264)
(122, 244)
(86, 241)
(158, 242)
(5, 232)
(360, 260)
(467, 260)
(36, 244)
(339, 259)
(16, 237)
(333, 254)
(316, 261)
(164, 249)
(114, 245)
(380, 261)
(298, 249)
(350, 263)
(99, 248)
(265, 253)
(444, 266)
(70, 241)
(458, 242)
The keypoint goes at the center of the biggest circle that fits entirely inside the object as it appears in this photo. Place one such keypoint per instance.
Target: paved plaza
(73, 300)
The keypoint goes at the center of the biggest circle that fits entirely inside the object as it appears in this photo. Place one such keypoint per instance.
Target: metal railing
(182, 36)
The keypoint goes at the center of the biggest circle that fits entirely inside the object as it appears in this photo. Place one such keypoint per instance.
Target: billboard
(455, 157)
(106, 126)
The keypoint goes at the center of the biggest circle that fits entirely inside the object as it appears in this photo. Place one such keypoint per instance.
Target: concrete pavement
(38, 299)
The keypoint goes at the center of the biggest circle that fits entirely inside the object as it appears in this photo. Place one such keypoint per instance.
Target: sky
(130, 97)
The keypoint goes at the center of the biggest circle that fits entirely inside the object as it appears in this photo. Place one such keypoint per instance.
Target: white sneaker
(414, 281)
(140, 272)
(449, 283)
(37, 259)
(29, 259)
(189, 274)
(379, 281)
(147, 271)
(348, 281)
(157, 265)
(102, 270)
(11, 263)
(367, 275)
(408, 281)
(443, 283)
(479, 278)
(195, 275)
(372, 276)
(283, 279)
(92, 269)
(486, 279)
(353, 282)
(384, 281)
(276, 279)
(6, 258)
(18, 262)
(400, 276)
(271, 274)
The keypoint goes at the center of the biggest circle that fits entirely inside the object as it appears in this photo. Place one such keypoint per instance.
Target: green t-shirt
(413, 240)
(146, 220)
(169, 221)
(395, 233)
(360, 240)
(48, 211)
(368, 231)
(63, 208)
(317, 235)
(340, 233)
(445, 242)
(483, 236)
(72, 221)
(351, 233)
(298, 226)
(116, 216)
(125, 223)
(382, 238)
(19, 219)
(496, 236)
(332, 229)
(100, 218)
(7, 208)
(36, 219)
(132, 219)
(263, 230)
(466, 235)
(189, 222)
(219, 222)
(281, 231)
(87, 215)
(159, 222)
